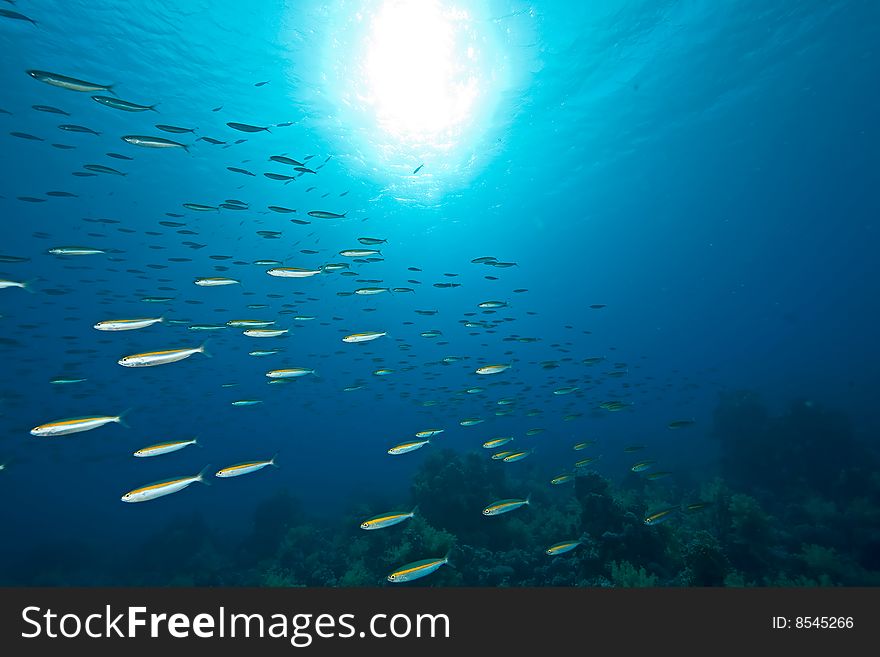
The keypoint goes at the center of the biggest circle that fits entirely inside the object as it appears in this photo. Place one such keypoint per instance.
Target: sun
(421, 75)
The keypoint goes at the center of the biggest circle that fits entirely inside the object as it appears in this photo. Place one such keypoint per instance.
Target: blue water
(707, 171)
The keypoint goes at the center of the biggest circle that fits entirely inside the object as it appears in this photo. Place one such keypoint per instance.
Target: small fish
(680, 424)
(359, 253)
(320, 214)
(247, 402)
(215, 142)
(499, 456)
(292, 272)
(408, 446)
(217, 281)
(369, 291)
(563, 547)
(264, 333)
(199, 207)
(100, 168)
(583, 463)
(280, 209)
(14, 15)
(695, 507)
(290, 373)
(244, 127)
(615, 405)
(367, 336)
(281, 159)
(371, 241)
(641, 466)
(25, 135)
(579, 446)
(153, 358)
(75, 251)
(50, 110)
(153, 142)
(660, 516)
(417, 169)
(492, 304)
(162, 488)
(497, 442)
(429, 433)
(76, 425)
(250, 323)
(417, 569)
(245, 468)
(127, 324)
(492, 369)
(383, 520)
(177, 130)
(471, 421)
(61, 380)
(72, 84)
(264, 352)
(633, 448)
(566, 391)
(562, 479)
(164, 448)
(72, 127)
(505, 506)
(4, 284)
(660, 474)
(124, 105)
(513, 457)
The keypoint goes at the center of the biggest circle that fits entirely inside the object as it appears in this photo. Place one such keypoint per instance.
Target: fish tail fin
(344, 213)
(315, 374)
(201, 476)
(153, 107)
(196, 442)
(446, 558)
(529, 498)
(185, 147)
(120, 419)
(415, 509)
(202, 348)
(111, 90)
(27, 285)
(274, 460)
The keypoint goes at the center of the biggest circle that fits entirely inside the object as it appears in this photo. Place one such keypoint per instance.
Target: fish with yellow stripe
(162, 488)
(408, 446)
(164, 448)
(387, 519)
(76, 425)
(564, 546)
(417, 569)
(153, 358)
(505, 506)
(245, 468)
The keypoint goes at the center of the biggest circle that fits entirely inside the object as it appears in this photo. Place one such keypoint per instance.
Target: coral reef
(797, 504)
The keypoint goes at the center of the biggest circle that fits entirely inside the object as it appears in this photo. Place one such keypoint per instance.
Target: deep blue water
(707, 171)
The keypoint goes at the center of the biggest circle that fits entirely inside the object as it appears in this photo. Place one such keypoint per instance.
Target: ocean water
(687, 192)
